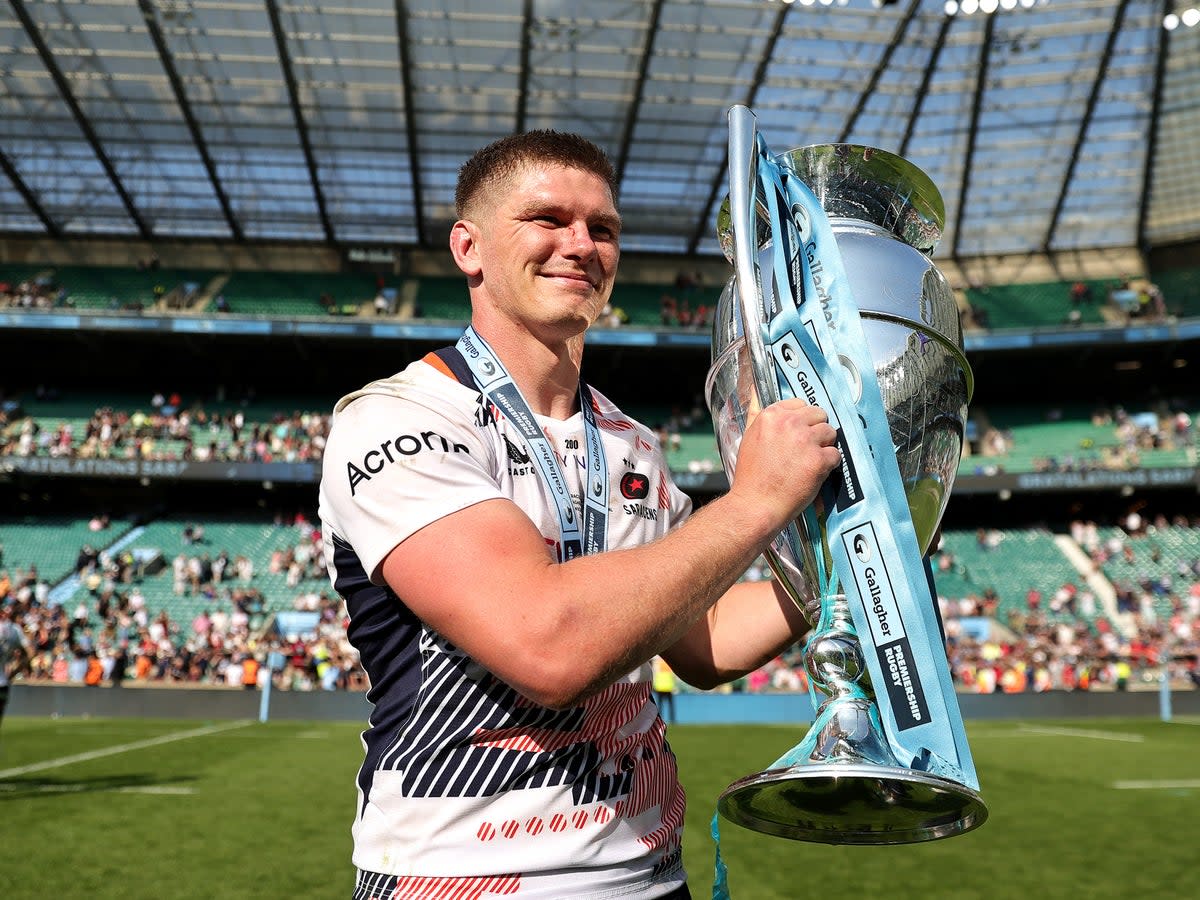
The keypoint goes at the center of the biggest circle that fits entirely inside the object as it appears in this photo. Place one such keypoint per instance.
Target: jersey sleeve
(393, 466)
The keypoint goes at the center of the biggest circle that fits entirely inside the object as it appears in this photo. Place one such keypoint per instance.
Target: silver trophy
(843, 784)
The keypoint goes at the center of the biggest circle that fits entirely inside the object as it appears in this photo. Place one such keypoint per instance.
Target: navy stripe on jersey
(385, 634)
(434, 708)
(439, 750)
(455, 363)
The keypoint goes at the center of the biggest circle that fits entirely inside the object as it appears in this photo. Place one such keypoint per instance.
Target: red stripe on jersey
(664, 495)
(418, 887)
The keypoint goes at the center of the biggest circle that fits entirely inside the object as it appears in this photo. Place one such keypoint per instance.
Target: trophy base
(851, 803)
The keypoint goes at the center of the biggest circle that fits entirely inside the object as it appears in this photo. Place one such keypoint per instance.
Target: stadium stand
(116, 287)
(1047, 304)
(441, 299)
(1011, 438)
(994, 568)
(288, 294)
(50, 544)
(1080, 437)
(1007, 564)
(1151, 568)
(163, 427)
(1181, 290)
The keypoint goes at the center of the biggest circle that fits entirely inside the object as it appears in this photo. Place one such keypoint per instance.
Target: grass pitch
(125, 808)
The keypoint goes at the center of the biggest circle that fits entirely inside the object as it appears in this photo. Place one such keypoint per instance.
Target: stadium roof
(1051, 126)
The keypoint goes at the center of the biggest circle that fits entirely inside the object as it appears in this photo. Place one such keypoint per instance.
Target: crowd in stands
(1169, 427)
(1057, 637)
(32, 293)
(169, 430)
(684, 307)
(1062, 638)
(111, 636)
(1136, 298)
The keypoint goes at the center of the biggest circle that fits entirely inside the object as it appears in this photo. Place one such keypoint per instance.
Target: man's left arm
(750, 625)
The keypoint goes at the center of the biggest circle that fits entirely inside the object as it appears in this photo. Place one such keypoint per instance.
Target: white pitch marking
(1084, 732)
(121, 748)
(77, 788)
(1158, 784)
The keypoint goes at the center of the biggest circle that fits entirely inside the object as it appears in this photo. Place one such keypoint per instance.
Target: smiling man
(513, 553)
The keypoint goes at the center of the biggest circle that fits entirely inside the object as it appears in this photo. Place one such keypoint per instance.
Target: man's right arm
(558, 633)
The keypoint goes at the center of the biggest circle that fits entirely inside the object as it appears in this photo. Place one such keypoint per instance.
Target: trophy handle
(743, 200)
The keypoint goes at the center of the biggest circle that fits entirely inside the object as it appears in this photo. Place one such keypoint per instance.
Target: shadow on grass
(25, 788)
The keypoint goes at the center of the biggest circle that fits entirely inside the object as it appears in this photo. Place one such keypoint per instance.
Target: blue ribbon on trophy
(873, 543)
(886, 759)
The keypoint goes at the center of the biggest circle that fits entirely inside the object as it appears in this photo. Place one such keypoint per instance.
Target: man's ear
(464, 246)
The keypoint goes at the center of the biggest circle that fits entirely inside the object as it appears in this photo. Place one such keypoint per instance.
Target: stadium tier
(441, 299)
(1012, 439)
(1154, 570)
(1075, 437)
(51, 543)
(1008, 564)
(290, 294)
(637, 305)
(161, 559)
(1034, 305)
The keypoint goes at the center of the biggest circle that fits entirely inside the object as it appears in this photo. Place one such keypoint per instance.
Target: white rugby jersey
(468, 789)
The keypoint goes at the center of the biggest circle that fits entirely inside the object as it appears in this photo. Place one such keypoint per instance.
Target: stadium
(220, 216)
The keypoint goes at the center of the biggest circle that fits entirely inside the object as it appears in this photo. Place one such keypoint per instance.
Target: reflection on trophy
(858, 776)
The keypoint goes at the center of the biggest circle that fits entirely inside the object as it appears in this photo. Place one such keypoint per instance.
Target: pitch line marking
(78, 788)
(1160, 784)
(1084, 732)
(121, 748)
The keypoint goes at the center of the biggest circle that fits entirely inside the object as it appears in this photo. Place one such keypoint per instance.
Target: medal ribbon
(590, 536)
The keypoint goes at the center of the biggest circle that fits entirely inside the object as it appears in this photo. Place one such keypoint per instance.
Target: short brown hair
(503, 158)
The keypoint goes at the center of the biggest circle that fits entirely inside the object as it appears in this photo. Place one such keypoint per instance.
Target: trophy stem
(842, 784)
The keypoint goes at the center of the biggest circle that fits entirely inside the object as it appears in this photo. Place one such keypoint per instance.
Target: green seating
(1045, 304)
(1020, 560)
(254, 539)
(1156, 554)
(52, 543)
(1181, 290)
(295, 293)
(77, 408)
(1070, 439)
(442, 299)
(643, 303)
(14, 273)
(697, 452)
(118, 287)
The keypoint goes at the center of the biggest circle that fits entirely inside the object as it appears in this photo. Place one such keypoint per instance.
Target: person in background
(15, 653)
(513, 553)
(664, 688)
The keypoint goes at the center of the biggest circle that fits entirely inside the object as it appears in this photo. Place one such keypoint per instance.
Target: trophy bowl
(843, 783)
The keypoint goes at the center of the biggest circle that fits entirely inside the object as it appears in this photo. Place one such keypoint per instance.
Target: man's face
(545, 249)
